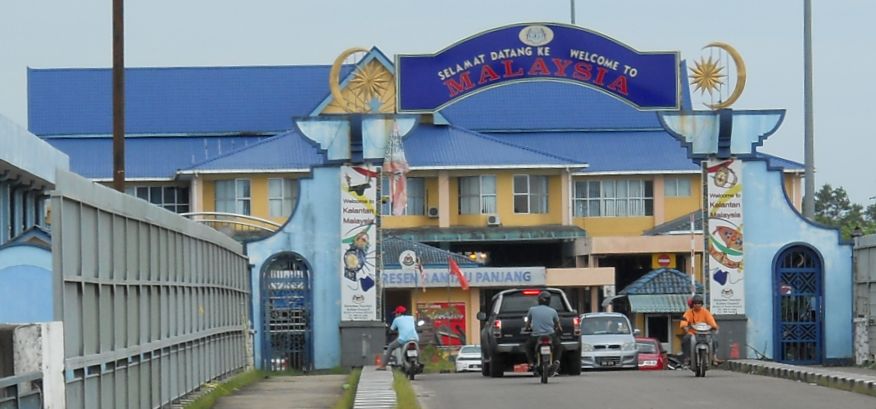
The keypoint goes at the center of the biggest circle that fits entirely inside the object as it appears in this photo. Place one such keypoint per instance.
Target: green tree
(833, 208)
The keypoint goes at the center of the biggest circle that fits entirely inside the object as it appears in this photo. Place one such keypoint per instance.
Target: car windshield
(604, 325)
(646, 347)
(470, 350)
(519, 302)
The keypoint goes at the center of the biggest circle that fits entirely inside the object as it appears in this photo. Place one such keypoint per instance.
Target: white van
(608, 341)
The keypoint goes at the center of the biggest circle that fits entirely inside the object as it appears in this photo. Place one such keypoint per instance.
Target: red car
(651, 355)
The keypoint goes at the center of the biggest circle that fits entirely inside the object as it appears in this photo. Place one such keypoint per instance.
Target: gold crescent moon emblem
(740, 74)
(334, 86)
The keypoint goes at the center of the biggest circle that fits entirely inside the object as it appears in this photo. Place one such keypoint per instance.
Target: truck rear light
(576, 326)
(497, 328)
(531, 291)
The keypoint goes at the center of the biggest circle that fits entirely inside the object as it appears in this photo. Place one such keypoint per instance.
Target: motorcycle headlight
(586, 347)
(629, 346)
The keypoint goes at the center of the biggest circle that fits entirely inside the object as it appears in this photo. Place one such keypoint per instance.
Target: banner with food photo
(358, 235)
(724, 237)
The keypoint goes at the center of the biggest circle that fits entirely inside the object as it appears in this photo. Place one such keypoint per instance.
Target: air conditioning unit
(432, 212)
(493, 220)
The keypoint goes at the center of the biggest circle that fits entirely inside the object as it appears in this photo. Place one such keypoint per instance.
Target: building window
(173, 198)
(676, 186)
(282, 194)
(614, 198)
(530, 194)
(416, 192)
(233, 196)
(477, 194)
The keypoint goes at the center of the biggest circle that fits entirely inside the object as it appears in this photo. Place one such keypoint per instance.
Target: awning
(457, 234)
(658, 303)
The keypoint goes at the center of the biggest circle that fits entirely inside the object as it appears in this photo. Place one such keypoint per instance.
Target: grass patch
(347, 399)
(404, 392)
(436, 360)
(226, 388)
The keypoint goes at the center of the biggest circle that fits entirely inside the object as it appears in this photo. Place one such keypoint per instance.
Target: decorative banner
(358, 235)
(477, 277)
(724, 237)
(545, 52)
(447, 322)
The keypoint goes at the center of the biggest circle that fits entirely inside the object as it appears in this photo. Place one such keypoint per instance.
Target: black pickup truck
(503, 340)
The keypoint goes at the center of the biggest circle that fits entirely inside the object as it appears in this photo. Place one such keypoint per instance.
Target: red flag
(454, 268)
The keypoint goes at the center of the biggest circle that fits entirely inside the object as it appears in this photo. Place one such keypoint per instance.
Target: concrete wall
(40, 348)
(771, 224)
(25, 284)
(313, 231)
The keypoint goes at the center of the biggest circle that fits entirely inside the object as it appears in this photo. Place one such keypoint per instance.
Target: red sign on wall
(447, 321)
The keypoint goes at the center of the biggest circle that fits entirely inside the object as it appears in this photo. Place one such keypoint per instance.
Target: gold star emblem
(706, 76)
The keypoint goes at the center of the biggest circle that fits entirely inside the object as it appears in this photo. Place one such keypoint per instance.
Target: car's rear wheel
(496, 368)
(485, 368)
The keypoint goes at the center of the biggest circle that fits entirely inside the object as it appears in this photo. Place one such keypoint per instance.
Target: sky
(767, 34)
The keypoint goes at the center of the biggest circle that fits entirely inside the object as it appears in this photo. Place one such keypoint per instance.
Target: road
(631, 390)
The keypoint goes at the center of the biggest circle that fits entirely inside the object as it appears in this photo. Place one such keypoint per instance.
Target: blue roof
(289, 150)
(451, 146)
(175, 100)
(150, 158)
(662, 281)
(611, 151)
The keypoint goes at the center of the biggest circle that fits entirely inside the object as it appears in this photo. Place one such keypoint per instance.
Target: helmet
(544, 298)
(400, 310)
(697, 299)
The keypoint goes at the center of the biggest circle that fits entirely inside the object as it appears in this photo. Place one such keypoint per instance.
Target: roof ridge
(513, 145)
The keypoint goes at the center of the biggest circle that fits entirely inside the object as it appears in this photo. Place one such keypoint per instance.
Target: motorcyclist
(542, 320)
(695, 314)
(407, 331)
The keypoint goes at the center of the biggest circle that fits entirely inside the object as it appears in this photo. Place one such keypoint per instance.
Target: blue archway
(287, 306)
(798, 305)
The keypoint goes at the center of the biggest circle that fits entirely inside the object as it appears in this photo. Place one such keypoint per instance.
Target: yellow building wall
(675, 207)
(470, 297)
(614, 226)
(258, 185)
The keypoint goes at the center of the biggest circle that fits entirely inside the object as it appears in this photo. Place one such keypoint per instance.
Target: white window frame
(242, 203)
(531, 198)
(616, 198)
(416, 205)
(486, 199)
(286, 197)
(145, 192)
(672, 186)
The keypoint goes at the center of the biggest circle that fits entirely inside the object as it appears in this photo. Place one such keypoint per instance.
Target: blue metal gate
(798, 306)
(287, 306)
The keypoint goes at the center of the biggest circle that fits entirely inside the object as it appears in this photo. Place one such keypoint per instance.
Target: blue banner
(537, 52)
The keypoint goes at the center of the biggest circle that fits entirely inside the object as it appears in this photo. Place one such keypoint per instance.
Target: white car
(468, 358)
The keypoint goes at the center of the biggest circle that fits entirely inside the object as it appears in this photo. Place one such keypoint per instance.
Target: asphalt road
(630, 390)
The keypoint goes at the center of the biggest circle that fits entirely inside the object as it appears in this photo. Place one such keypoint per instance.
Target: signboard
(663, 260)
(477, 277)
(537, 52)
(447, 321)
(358, 235)
(724, 238)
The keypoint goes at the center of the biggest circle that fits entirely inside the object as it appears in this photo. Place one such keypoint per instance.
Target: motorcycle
(407, 357)
(544, 359)
(701, 349)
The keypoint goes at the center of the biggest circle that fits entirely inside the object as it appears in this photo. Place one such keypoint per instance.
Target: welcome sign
(537, 52)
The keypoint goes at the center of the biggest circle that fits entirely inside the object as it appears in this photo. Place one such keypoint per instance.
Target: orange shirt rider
(697, 313)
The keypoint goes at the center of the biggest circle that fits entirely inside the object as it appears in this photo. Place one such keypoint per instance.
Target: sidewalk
(375, 389)
(302, 392)
(854, 379)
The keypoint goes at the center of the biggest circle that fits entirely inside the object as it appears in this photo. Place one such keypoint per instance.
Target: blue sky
(768, 35)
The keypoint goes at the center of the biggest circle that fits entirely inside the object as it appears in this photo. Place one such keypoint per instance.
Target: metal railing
(237, 226)
(22, 391)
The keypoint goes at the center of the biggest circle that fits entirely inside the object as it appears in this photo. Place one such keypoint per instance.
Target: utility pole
(118, 95)
(808, 144)
(573, 11)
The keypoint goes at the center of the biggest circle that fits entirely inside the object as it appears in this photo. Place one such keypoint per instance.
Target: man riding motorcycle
(407, 331)
(696, 314)
(542, 320)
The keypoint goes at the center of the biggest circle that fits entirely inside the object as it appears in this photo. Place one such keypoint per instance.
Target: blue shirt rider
(407, 331)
